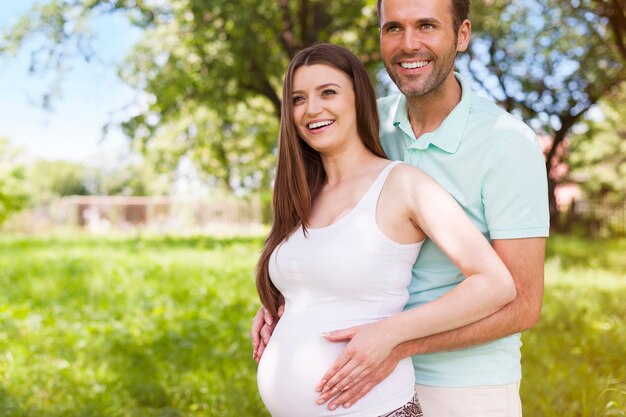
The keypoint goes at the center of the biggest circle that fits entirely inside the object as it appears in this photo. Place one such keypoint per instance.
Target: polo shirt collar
(447, 136)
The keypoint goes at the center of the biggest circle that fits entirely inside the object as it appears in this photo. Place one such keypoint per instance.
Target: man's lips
(413, 64)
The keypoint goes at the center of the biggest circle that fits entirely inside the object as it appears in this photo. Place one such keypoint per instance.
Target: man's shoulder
(486, 112)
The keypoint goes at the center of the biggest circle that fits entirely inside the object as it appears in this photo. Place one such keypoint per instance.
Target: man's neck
(427, 112)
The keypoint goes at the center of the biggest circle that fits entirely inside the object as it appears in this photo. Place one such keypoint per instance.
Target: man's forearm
(524, 258)
(503, 323)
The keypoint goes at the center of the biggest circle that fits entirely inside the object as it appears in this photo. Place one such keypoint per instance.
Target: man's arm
(524, 258)
(263, 326)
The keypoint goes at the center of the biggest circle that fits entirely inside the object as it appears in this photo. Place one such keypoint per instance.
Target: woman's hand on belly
(369, 345)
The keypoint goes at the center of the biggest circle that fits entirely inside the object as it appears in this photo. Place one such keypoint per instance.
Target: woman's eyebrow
(320, 87)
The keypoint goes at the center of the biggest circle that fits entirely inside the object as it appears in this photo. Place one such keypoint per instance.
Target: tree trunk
(554, 209)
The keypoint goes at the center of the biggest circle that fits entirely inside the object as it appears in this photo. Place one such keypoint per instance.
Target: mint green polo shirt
(493, 166)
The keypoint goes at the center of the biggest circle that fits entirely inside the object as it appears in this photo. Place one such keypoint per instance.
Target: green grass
(574, 360)
(159, 327)
(127, 327)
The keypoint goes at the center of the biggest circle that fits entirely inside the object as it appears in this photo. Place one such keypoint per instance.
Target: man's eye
(393, 28)
(427, 26)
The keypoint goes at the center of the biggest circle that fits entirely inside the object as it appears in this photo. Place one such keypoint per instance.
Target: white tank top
(338, 276)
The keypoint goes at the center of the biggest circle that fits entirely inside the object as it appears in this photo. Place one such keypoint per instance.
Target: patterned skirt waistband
(410, 409)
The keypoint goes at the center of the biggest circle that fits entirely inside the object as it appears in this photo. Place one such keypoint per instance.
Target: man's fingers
(266, 333)
(259, 351)
(269, 320)
(257, 324)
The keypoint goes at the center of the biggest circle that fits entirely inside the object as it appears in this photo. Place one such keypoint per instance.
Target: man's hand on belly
(263, 326)
(363, 364)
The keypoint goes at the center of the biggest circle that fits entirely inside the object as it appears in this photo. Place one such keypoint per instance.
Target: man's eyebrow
(430, 20)
(390, 23)
(420, 21)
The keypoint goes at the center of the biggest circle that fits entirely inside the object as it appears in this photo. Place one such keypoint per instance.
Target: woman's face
(324, 110)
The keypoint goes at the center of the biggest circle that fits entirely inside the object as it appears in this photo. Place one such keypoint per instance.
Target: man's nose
(411, 41)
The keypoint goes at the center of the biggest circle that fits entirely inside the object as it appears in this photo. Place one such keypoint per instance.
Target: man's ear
(463, 36)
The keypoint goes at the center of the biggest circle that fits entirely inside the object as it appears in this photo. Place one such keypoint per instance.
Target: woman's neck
(348, 164)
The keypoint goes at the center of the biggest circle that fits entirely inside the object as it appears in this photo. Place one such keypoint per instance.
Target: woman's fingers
(345, 378)
(336, 367)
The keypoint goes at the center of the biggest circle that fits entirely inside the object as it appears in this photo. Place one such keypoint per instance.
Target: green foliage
(159, 327)
(128, 177)
(547, 61)
(598, 155)
(212, 71)
(13, 194)
(53, 179)
(215, 72)
(49, 179)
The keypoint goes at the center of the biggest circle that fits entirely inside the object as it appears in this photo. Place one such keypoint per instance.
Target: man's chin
(411, 90)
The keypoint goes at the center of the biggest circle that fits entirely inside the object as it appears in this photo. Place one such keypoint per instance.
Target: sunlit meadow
(158, 326)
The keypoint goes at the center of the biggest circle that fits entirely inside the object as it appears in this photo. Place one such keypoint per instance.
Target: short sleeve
(515, 188)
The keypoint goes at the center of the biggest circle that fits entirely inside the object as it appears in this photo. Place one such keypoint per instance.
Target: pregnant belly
(295, 361)
(292, 365)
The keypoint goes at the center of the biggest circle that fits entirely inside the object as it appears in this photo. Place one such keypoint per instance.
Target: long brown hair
(299, 171)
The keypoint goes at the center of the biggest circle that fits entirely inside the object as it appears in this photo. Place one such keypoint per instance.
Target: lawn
(158, 326)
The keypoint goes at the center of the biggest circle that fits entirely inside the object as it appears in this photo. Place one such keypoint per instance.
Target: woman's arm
(487, 286)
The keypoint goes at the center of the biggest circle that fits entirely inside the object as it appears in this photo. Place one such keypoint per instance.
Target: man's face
(418, 44)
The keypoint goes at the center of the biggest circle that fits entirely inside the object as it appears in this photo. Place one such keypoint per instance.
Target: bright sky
(91, 95)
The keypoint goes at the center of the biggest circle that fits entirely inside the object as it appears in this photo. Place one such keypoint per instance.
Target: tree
(212, 70)
(546, 63)
(598, 154)
(13, 194)
(614, 11)
(53, 179)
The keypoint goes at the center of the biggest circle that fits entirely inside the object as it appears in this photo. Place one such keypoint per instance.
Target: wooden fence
(605, 218)
(102, 214)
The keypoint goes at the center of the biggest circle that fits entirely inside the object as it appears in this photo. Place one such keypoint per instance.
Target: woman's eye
(297, 99)
(328, 92)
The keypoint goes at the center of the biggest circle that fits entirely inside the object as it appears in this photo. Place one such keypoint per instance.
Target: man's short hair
(460, 12)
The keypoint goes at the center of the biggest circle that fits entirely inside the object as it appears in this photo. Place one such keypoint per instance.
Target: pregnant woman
(348, 226)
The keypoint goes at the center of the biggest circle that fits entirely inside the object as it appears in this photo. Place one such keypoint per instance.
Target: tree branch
(261, 85)
(303, 14)
(617, 20)
(321, 19)
(509, 102)
(287, 37)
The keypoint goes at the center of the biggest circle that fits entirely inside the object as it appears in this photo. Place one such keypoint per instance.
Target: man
(492, 164)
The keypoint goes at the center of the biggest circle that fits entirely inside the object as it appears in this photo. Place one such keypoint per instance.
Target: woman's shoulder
(407, 174)
(408, 181)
